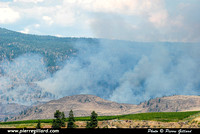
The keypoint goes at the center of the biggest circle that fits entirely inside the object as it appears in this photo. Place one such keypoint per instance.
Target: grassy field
(100, 118)
(160, 116)
(155, 116)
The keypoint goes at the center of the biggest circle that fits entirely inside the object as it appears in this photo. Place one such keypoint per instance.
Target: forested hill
(13, 44)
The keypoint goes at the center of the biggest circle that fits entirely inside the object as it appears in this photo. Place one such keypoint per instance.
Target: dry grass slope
(83, 105)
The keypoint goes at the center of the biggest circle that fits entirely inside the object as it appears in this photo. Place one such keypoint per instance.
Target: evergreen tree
(60, 119)
(71, 120)
(38, 125)
(57, 114)
(55, 124)
(88, 125)
(93, 120)
(63, 119)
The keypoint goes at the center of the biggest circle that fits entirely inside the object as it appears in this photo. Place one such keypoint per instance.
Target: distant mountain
(83, 105)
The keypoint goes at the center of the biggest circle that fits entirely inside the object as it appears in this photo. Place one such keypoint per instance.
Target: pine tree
(55, 124)
(93, 120)
(38, 125)
(63, 119)
(71, 120)
(57, 114)
(60, 119)
(88, 125)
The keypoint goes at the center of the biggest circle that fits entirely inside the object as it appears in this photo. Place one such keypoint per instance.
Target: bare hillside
(83, 105)
(172, 104)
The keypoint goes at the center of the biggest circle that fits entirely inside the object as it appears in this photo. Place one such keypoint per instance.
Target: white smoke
(122, 71)
(26, 68)
(18, 77)
(129, 72)
(164, 72)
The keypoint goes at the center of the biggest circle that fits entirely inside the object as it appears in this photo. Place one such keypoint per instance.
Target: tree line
(60, 120)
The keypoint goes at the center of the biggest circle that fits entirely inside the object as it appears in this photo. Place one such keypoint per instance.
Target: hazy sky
(137, 20)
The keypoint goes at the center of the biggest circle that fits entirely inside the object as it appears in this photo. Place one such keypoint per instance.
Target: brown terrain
(173, 104)
(83, 105)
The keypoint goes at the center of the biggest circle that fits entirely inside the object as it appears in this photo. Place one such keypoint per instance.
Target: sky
(135, 20)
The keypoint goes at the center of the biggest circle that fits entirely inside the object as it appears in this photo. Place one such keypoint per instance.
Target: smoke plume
(18, 77)
(121, 71)
(129, 72)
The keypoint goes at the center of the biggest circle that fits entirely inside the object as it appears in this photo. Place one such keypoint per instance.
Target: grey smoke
(18, 77)
(129, 72)
(25, 68)
(121, 71)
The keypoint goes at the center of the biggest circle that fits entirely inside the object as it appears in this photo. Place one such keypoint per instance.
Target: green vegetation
(100, 118)
(38, 125)
(71, 120)
(93, 120)
(157, 116)
(27, 121)
(60, 119)
(14, 44)
(192, 117)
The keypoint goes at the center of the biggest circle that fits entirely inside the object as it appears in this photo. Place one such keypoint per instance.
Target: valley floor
(119, 124)
(142, 120)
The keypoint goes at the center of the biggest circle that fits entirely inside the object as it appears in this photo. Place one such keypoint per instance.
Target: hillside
(10, 110)
(35, 69)
(14, 44)
(83, 105)
(26, 59)
(172, 104)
